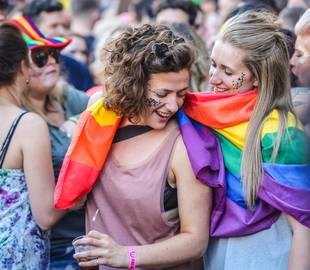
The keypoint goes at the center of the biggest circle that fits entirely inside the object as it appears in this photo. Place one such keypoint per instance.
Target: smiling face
(228, 72)
(165, 96)
(300, 62)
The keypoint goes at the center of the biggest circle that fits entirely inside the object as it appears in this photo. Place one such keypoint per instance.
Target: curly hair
(131, 58)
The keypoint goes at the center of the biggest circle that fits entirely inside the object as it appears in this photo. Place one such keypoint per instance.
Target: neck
(126, 122)
(38, 102)
(8, 96)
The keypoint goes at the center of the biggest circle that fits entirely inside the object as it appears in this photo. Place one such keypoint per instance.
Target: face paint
(237, 84)
(151, 102)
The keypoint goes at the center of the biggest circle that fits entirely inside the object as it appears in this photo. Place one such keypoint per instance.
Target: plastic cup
(80, 248)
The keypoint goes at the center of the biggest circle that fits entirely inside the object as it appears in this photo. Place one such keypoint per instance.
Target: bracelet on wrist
(132, 257)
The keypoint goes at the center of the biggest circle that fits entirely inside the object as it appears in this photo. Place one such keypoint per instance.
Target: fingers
(90, 255)
(89, 241)
(93, 262)
(97, 235)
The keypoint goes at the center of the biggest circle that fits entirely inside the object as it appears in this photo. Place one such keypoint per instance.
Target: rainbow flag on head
(285, 186)
(35, 38)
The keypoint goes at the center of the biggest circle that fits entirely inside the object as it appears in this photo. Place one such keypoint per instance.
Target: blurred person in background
(300, 63)
(77, 48)
(84, 15)
(50, 16)
(289, 16)
(56, 102)
(4, 9)
(200, 68)
(299, 3)
(179, 11)
(26, 172)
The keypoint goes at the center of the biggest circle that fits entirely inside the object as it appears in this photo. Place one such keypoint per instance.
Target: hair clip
(178, 41)
(160, 49)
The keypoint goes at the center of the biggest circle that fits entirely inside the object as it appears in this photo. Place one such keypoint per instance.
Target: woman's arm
(194, 203)
(37, 164)
(300, 249)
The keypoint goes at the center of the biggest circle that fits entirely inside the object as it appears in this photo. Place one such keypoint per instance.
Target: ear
(255, 83)
(24, 69)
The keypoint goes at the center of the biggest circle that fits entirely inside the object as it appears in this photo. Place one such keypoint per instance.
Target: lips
(220, 90)
(163, 115)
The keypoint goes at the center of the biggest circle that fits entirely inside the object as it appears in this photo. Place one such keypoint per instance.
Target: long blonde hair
(267, 59)
(53, 102)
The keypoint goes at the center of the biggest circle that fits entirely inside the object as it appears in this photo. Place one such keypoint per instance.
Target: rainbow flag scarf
(285, 185)
(86, 154)
(89, 149)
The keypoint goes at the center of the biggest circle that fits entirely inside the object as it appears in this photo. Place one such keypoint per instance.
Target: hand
(103, 250)
(79, 204)
(68, 127)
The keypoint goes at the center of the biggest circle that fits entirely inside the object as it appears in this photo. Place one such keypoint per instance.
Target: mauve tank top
(128, 200)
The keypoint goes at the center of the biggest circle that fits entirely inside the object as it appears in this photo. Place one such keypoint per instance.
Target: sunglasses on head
(40, 56)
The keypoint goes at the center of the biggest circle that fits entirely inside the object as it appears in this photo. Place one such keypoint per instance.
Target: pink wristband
(132, 257)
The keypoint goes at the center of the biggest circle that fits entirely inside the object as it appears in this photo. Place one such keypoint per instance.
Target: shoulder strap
(130, 131)
(8, 138)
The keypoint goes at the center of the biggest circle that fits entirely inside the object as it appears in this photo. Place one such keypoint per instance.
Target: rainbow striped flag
(285, 185)
(215, 155)
(35, 38)
(89, 149)
(86, 154)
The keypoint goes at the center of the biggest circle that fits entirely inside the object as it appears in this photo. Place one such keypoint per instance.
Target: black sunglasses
(40, 56)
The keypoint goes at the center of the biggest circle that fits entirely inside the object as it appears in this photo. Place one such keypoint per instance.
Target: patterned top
(22, 243)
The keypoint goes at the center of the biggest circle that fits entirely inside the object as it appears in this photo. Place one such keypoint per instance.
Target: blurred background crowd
(90, 22)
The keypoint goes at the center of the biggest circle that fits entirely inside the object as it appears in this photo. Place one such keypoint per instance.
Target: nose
(173, 104)
(51, 59)
(293, 60)
(61, 31)
(214, 78)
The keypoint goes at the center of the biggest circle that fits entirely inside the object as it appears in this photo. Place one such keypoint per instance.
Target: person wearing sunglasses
(26, 174)
(56, 102)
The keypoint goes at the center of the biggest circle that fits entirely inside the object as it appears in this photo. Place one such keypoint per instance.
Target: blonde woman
(261, 211)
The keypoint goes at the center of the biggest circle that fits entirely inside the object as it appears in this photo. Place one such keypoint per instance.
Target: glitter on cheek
(237, 84)
(151, 102)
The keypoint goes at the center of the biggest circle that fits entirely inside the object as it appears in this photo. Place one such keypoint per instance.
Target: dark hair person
(26, 171)
(56, 102)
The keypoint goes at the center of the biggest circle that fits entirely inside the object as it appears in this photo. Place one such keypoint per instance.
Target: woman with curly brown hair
(146, 210)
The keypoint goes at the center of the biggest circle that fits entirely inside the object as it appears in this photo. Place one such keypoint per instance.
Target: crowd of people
(162, 134)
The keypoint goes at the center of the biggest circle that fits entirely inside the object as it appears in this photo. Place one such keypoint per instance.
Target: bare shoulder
(94, 98)
(32, 126)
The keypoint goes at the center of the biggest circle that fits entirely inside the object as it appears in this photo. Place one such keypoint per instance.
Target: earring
(255, 83)
(28, 82)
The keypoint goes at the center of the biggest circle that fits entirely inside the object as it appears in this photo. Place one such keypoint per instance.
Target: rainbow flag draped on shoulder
(285, 185)
(86, 155)
(90, 147)
(215, 155)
